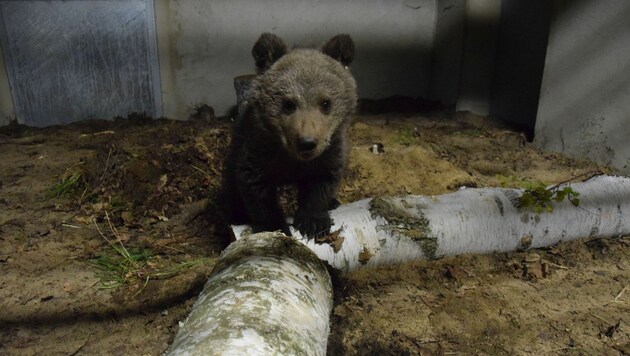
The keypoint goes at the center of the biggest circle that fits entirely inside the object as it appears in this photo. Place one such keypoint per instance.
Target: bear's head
(304, 96)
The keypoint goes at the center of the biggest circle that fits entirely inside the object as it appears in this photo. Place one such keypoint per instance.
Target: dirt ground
(108, 230)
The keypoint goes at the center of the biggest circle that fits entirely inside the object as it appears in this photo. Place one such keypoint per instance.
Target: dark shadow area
(447, 51)
(520, 61)
(398, 104)
(383, 71)
(139, 306)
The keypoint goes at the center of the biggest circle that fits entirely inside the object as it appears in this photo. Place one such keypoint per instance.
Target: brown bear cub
(292, 131)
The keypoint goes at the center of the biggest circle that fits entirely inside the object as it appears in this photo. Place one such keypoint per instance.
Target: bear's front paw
(313, 225)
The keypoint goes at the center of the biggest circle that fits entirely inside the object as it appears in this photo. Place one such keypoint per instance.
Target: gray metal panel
(74, 60)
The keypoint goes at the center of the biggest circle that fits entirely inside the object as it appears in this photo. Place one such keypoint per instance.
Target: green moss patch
(407, 220)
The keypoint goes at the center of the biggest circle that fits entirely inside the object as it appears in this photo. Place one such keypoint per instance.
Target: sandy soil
(104, 243)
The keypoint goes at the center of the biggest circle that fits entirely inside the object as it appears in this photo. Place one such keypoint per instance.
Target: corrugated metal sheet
(75, 60)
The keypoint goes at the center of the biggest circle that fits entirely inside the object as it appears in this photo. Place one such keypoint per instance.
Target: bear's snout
(307, 146)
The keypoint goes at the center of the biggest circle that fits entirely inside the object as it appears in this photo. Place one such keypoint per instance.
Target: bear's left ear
(340, 48)
(267, 50)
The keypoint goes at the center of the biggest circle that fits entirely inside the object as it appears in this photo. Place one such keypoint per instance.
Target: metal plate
(75, 60)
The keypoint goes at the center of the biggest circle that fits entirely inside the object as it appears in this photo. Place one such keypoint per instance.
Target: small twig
(590, 212)
(563, 348)
(122, 250)
(79, 348)
(620, 293)
(143, 286)
(173, 248)
(556, 265)
(126, 253)
(83, 195)
(595, 173)
(419, 343)
(202, 148)
(425, 302)
(109, 155)
(202, 171)
(602, 319)
(616, 300)
(589, 175)
(108, 132)
(72, 226)
(468, 273)
(101, 233)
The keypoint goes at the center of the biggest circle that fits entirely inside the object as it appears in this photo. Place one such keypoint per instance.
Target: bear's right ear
(340, 48)
(267, 50)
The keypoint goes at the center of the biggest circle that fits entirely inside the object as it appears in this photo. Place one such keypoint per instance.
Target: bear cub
(291, 131)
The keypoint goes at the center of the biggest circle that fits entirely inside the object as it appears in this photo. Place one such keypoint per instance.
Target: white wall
(584, 107)
(208, 43)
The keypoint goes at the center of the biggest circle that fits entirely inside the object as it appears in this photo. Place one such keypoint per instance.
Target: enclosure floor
(143, 186)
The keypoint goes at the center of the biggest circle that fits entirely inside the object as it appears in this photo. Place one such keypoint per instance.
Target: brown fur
(292, 131)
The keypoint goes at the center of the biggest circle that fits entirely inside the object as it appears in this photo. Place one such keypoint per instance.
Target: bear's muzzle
(307, 147)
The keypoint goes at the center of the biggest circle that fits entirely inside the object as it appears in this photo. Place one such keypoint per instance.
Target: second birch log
(267, 295)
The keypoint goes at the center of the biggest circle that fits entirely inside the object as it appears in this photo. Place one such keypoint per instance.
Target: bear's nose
(306, 144)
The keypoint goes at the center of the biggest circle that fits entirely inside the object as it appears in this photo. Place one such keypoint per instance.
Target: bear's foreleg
(314, 199)
(260, 199)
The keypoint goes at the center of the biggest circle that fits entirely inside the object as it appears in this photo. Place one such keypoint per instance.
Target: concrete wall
(74, 60)
(404, 47)
(209, 43)
(584, 108)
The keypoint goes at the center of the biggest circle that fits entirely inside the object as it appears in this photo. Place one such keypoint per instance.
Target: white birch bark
(268, 295)
(401, 229)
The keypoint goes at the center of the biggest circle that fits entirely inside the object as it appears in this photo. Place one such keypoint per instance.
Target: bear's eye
(288, 106)
(325, 106)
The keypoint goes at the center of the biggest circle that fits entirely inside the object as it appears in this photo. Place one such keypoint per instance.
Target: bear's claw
(313, 225)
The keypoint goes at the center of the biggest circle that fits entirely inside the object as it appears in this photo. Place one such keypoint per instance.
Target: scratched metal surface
(75, 60)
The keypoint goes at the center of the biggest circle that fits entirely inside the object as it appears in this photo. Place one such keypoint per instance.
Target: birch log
(400, 229)
(267, 295)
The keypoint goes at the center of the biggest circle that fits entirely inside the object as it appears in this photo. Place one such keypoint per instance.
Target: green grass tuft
(405, 136)
(122, 266)
(71, 182)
